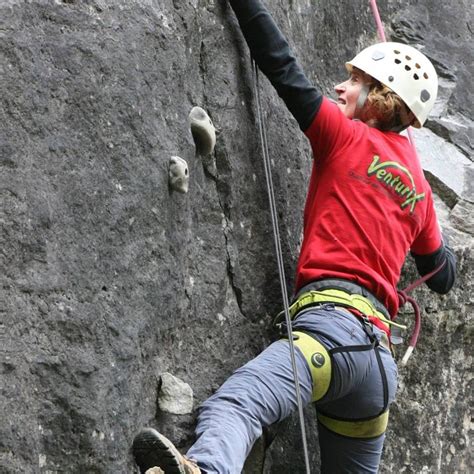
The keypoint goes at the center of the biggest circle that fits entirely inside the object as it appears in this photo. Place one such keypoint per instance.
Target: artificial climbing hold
(203, 131)
(178, 174)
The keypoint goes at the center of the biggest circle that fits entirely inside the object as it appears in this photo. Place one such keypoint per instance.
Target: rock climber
(367, 206)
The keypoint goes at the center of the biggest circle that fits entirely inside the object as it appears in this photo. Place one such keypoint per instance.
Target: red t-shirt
(368, 204)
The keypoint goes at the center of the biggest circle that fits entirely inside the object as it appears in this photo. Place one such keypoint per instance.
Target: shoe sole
(152, 449)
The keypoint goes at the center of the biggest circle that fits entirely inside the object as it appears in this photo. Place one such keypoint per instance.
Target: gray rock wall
(110, 279)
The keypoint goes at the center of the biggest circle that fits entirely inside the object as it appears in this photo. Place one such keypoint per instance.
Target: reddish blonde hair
(384, 109)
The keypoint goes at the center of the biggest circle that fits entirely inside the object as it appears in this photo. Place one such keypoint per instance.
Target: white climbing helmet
(406, 71)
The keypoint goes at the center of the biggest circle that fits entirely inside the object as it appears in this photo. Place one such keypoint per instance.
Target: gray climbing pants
(262, 393)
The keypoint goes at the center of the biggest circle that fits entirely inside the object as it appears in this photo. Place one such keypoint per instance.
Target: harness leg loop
(318, 360)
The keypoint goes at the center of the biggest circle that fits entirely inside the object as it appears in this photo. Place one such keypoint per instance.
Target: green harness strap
(320, 366)
(339, 297)
(318, 360)
(356, 429)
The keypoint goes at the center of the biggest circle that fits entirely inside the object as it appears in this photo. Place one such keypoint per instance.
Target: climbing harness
(319, 361)
(370, 312)
(357, 304)
(279, 255)
(324, 291)
(373, 426)
(361, 303)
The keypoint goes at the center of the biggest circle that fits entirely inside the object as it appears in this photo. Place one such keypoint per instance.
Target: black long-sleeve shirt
(273, 55)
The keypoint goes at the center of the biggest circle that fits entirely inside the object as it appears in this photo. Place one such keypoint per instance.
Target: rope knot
(402, 297)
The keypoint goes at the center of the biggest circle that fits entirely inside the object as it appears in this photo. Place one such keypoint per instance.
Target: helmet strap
(405, 120)
(361, 100)
(364, 92)
(399, 128)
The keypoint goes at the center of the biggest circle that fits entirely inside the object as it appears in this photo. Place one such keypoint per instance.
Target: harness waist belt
(340, 298)
(348, 287)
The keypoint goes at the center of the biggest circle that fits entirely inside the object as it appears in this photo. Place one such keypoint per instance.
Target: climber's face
(348, 93)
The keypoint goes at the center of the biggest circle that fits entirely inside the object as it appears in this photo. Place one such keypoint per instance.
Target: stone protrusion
(175, 395)
(450, 169)
(203, 131)
(178, 174)
(155, 470)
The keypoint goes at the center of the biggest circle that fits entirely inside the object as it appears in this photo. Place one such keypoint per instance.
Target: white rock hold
(203, 131)
(155, 470)
(178, 174)
(175, 395)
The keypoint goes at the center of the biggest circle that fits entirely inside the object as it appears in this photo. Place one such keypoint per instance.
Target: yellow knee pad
(318, 360)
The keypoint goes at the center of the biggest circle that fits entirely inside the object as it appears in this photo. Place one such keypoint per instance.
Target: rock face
(110, 279)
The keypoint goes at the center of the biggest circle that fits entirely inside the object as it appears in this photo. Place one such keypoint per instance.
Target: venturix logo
(395, 179)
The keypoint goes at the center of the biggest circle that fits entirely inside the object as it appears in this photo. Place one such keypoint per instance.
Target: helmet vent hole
(408, 58)
(396, 51)
(416, 77)
(397, 61)
(425, 75)
(417, 66)
(407, 68)
(425, 95)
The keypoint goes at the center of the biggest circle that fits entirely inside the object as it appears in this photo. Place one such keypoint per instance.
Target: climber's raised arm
(273, 55)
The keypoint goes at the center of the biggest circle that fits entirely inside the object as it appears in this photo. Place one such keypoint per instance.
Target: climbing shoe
(152, 449)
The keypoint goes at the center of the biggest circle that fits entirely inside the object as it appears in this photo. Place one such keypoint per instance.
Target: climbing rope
(403, 294)
(404, 298)
(381, 33)
(378, 21)
(281, 269)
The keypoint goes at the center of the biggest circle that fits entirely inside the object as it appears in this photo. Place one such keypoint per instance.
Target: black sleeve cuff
(442, 281)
